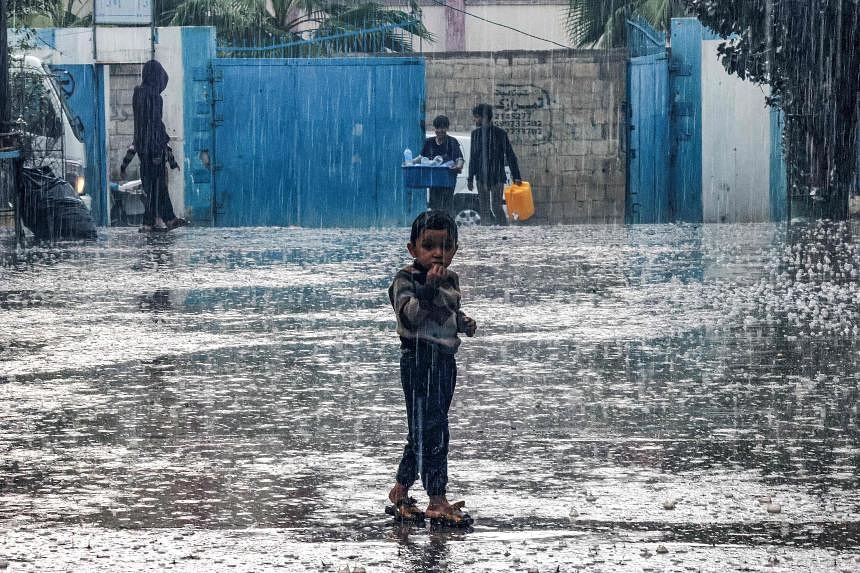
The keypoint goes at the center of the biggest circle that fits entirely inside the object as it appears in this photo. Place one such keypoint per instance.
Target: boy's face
(479, 120)
(433, 247)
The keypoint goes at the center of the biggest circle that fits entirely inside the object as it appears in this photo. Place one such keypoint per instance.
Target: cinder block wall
(564, 112)
(123, 79)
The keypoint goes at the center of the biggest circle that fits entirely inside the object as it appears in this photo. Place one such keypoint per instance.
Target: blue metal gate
(648, 156)
(314, 142)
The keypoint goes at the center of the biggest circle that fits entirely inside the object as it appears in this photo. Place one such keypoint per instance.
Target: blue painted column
(685, 122)
(198, 50)
(778, 183)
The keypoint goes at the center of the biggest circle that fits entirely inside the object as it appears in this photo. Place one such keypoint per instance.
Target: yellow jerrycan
(519, 200)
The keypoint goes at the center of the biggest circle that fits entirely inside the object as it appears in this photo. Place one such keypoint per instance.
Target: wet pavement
(668, 398)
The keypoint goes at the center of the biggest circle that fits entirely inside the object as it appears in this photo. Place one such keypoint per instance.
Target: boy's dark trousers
(153, 175)
(428, 377)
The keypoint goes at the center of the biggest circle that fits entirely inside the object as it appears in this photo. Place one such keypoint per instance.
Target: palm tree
(49, 13)
(360, 26)
(593, 23)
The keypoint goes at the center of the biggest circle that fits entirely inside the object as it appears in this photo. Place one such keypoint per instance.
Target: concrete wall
(564, 112)
(123, 79)
(736, 144)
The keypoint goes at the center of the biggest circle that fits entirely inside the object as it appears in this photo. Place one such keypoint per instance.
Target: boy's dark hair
(484, 110)
(441, 122)
(434, 220)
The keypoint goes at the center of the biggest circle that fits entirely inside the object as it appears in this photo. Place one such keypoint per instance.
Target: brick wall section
(564, 112)
(123, 79)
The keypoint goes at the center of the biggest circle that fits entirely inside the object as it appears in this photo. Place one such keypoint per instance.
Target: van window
(32, 103)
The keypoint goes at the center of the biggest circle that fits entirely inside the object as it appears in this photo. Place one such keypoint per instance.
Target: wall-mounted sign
(524, 111)
(133, 12)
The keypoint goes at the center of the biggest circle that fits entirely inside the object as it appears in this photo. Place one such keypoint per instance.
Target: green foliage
(257, 22)
(49, 13)
(252, 22)
(592, 23)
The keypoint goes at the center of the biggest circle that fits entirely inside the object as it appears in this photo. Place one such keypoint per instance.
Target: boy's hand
(436, 275)
(468, 325)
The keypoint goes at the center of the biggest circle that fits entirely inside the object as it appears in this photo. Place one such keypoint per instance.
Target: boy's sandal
(176, 223)
(405, 510)
(452, 516)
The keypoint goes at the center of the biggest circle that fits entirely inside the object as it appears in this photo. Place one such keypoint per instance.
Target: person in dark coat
(448, 148)
(490, 149)
(150, 143)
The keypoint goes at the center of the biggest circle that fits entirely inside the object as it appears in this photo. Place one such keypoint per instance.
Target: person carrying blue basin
(448, 148)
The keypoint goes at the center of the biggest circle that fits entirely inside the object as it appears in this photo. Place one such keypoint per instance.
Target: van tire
(468, 218)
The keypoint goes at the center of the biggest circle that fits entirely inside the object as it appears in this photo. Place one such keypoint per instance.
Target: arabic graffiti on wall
(524, 111)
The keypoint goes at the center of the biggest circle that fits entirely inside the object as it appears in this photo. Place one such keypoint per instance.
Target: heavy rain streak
(230, 339)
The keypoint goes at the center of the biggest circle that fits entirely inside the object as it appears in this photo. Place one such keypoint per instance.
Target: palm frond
(586, 20)
(48, 13)
(591, 23)
(359, 25)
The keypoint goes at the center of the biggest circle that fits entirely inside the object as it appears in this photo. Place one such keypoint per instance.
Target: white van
(39, 110)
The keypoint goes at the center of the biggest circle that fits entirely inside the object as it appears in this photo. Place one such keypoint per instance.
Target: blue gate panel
(198, 49)
(648, 158)
(686, 118)
(778, 169)
(315, 143)
(87, 102)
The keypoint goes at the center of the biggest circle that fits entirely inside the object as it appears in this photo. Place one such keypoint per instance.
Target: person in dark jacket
(448, 148)
(150, 143)
(490, 148)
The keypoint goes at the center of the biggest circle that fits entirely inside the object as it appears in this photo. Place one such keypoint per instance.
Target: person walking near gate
(150, 143)
(490, 148)
(448, 148)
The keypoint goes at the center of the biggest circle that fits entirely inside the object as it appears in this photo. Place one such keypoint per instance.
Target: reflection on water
(221, 380)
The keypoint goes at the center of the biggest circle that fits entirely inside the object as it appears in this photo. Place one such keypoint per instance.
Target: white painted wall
(132, 46)
(736, 144)
(542, 20)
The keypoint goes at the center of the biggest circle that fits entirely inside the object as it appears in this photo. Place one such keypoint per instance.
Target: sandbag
(51, 209)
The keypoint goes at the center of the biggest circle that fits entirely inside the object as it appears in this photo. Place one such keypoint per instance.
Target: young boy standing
(426, 299)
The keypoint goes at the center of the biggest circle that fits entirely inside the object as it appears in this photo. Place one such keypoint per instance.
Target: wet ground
(673, 398)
